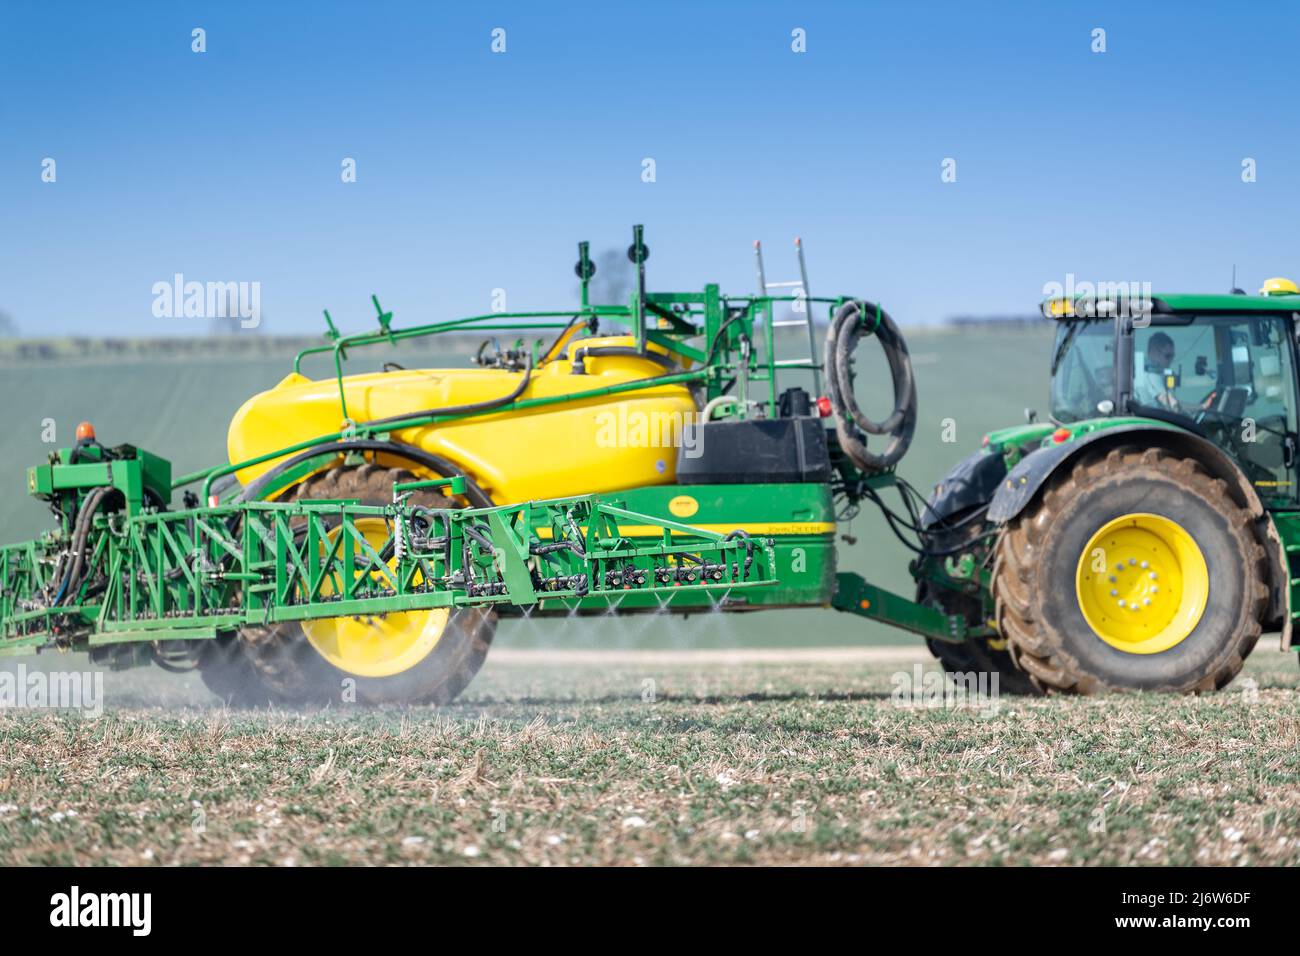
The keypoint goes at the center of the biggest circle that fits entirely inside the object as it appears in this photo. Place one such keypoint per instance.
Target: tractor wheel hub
(1142, 583)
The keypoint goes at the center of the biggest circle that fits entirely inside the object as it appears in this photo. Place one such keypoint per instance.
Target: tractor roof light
(1279, 286)
(1060, 308)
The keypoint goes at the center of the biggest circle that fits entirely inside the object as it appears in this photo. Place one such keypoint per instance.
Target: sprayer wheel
(416, 657)
(226, 671)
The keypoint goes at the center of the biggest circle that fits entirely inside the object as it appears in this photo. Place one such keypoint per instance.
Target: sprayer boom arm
(161, 575)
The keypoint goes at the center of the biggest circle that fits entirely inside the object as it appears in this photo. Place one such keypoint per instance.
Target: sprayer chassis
(194, 574)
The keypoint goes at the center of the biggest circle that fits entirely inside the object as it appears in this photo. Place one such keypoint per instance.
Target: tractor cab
(1221, 366)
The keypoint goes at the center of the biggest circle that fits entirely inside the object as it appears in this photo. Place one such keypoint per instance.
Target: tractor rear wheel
(424, 657)
(978, 654)
(1133, 570)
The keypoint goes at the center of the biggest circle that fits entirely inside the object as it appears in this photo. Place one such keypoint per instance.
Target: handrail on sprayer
(495, 321)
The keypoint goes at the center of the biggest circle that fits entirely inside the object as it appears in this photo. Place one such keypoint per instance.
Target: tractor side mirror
(1201, 363)
(1031, 416)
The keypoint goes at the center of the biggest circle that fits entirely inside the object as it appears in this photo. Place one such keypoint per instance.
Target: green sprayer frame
(194, 573)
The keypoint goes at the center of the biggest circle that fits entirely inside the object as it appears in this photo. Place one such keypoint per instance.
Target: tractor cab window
(1083, 369)
(1231, 378)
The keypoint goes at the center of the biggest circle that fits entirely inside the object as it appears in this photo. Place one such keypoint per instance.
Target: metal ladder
(800, 284)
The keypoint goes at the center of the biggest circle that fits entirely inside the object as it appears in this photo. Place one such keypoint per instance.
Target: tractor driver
(1152, 385)
(1149, 385)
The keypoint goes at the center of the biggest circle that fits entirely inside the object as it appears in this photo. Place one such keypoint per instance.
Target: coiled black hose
(851, 321)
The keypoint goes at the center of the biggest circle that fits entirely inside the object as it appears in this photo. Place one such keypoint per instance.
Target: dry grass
(578, 763)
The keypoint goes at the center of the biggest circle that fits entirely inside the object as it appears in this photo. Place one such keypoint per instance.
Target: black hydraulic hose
(472, 536)
(430, 516)
(481, 535)
(941, 523)
(579, 546)
(81, 531)
(461, 409)
(84, 443)
(897, 523)
(663, 361)
(475, 495)
(748, 542)
(892, 521)
(717, 337)
(544, 549)
(253, 492)
(846, 329)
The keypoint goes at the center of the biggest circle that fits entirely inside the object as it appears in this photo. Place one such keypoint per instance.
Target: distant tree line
(996, 321)
(14, 350)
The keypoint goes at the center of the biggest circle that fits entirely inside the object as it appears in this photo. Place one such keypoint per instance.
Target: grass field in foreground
(652, 758)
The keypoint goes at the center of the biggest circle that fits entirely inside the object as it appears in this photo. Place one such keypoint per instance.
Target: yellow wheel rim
(1142, 583)
(376, 646)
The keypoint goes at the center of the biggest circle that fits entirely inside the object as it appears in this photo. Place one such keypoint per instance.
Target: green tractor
(1144, 537)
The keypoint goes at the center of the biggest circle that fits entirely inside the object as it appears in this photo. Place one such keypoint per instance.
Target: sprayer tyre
(291, 669)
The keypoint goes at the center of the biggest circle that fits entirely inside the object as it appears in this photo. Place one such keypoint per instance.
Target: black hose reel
(852, 321)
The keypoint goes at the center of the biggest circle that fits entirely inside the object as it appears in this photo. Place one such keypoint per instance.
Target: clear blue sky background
(479, 171)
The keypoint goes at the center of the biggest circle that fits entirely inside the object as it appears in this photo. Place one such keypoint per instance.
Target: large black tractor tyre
(978, 654)
(292, 671)
(1083, 543)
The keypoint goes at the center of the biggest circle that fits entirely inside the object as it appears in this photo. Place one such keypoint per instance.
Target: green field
(664, 758)
(618, 740)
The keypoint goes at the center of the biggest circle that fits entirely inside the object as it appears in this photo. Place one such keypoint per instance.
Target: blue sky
(478, 170)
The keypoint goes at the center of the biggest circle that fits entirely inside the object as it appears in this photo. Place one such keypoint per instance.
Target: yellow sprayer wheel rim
(1142, 583)
(376, 646)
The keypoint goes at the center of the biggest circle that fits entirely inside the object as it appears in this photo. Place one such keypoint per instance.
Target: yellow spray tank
(598, 444)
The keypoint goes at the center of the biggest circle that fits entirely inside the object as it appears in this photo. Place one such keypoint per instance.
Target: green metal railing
(726, 366)
(727, 325)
